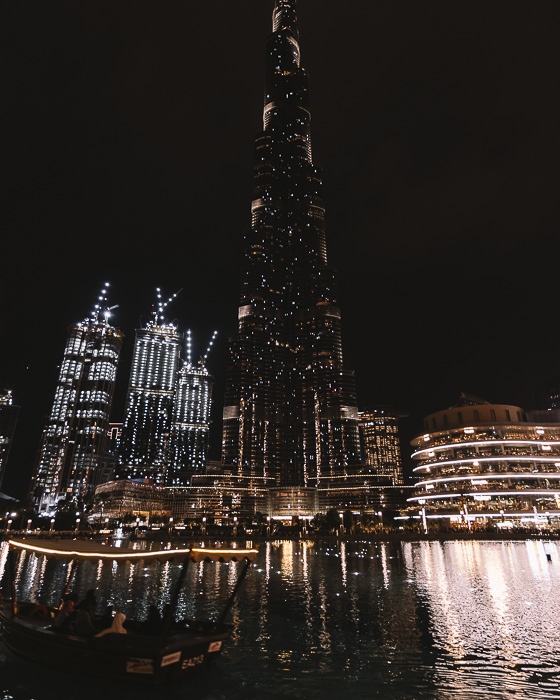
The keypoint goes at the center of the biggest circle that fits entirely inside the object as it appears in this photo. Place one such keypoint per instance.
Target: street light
(203, 526)
(29, 525)
(52, 525)
(235, 526)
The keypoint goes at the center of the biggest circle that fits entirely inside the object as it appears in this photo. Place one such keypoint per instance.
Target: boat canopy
(88, 550)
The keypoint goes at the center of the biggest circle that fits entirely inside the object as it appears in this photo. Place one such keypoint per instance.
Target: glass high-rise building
(74, 438)
(290, 408)
(190, 431)
(145, 439)
(381, 443)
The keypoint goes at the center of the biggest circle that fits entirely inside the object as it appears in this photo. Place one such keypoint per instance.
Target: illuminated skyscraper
(145, 440)
(290, 409)
(191, 421)
(74, 438)
(381, 443)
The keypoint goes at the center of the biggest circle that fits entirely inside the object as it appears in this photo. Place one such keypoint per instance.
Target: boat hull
(142, 658)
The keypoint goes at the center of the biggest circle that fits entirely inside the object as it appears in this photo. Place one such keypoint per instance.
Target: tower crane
(202, 361)
(204, 357)
(158, 313)
(102, 306)
(189, 348)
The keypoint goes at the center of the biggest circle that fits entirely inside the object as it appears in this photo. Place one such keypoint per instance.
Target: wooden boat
(173, 652)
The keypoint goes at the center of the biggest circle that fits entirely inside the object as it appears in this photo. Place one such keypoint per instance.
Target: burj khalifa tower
(290, 406)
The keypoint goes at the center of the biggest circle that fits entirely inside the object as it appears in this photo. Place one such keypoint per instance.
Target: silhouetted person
(64, 620)
(153, 623)
(89, 603)
(83, 624)
(106, 620)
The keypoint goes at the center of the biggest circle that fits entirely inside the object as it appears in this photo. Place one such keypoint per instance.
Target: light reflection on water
(494, 612)
(394, 621)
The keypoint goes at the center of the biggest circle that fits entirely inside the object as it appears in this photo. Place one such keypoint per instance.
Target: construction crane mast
(203, 358)
(157, 312)
(102, 307)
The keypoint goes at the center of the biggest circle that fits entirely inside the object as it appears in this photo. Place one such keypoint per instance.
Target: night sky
(127, 154)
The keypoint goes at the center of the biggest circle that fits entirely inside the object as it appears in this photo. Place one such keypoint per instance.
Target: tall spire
(286, 99)
(284, 17)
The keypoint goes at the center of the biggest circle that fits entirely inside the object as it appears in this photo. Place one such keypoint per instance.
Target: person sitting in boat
(88, 603)
(106, 619)
(117, 626)
(41, 611)
(64, 620)
(153, 622)
(83, 624)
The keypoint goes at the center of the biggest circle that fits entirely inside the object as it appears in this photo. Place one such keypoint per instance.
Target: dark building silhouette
(547, 393)
(290, 408)
(9, 414)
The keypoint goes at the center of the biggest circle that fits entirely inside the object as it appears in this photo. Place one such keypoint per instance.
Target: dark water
(395, 621)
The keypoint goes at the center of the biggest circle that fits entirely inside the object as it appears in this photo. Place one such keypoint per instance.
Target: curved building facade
(478, 463)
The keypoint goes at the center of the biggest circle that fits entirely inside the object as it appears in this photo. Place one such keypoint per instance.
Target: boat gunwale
(177, 635)
(89, 550)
